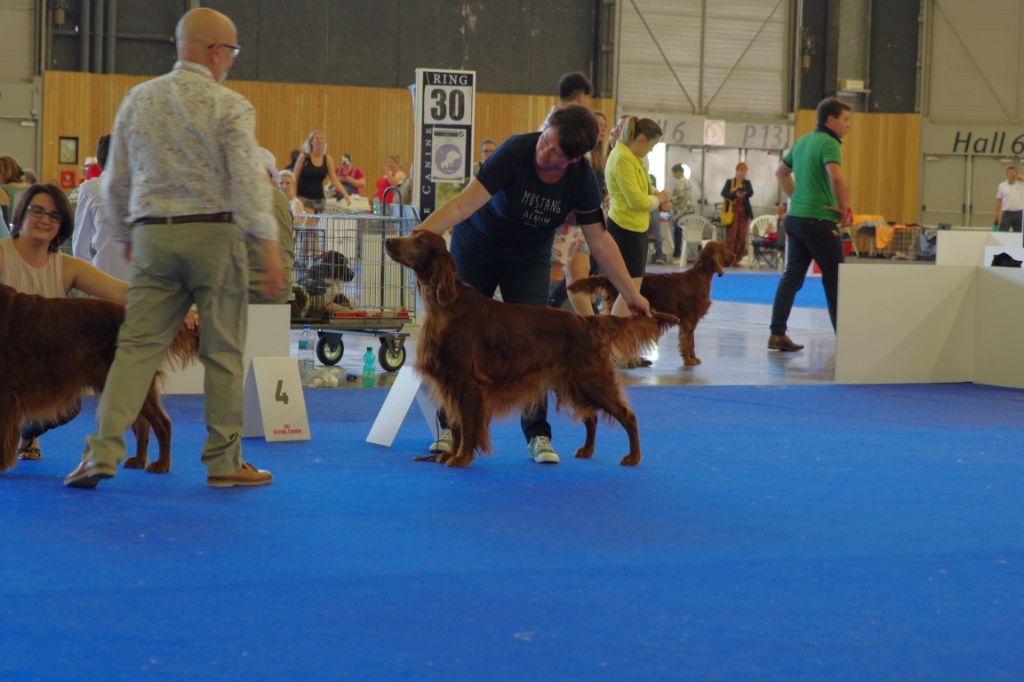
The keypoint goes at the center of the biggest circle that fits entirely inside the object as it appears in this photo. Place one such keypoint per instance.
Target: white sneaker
(541, 451)
(443, 442)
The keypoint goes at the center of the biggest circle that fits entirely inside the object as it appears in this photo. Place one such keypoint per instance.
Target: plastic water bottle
(377, 210)
(307, 347)
(369, 373)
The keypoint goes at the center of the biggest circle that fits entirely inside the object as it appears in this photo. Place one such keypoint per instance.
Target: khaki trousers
(174, 266)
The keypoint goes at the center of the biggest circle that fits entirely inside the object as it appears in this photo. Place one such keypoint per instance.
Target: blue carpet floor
(742, 287)
(819, 532)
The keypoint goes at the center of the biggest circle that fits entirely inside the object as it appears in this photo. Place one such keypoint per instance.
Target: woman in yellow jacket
(632, 198)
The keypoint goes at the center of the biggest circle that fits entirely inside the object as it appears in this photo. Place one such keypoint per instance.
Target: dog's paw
(135, 462)
(461, 461)
(692, 362)
(428, 458)
(631, 460)
(158, 467)
(584, 453)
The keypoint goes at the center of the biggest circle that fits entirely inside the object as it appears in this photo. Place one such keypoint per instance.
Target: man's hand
(273, 271)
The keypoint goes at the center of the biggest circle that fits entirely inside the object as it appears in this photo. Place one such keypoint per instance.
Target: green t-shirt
(812, 187)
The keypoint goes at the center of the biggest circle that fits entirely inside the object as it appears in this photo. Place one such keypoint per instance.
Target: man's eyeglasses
(235, 49)
(39, 212)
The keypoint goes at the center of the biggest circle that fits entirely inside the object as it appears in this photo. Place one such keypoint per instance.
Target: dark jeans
(1010, 221)
(677, 241)
(31, 429)
(520, 283)
(808, 239)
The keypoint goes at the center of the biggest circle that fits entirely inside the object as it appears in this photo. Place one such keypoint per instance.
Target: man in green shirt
(811, 175)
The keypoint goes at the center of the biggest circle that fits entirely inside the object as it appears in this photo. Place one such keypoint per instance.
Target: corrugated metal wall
(973, 57)
(712, 58)
(17, 39)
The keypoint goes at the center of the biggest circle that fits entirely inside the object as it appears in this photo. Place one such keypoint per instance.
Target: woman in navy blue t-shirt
(505, 222)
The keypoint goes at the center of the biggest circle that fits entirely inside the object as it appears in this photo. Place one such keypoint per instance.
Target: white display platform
(930, 324)
(268, 335)
(967, 247)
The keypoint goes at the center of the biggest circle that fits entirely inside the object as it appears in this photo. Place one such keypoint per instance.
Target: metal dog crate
(345, 282)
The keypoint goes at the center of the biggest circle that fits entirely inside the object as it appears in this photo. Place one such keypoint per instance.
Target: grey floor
(731, 342)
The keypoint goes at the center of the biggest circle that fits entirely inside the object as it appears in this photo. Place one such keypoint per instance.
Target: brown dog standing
(485, 358)
(58, 347)
(687, 295)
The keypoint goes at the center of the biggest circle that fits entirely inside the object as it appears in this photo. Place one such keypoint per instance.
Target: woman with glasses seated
(31, 263)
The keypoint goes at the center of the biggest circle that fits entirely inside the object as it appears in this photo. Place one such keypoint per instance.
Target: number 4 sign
(274, 405)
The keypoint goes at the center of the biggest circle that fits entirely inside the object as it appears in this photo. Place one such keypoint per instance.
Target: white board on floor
(408, 386)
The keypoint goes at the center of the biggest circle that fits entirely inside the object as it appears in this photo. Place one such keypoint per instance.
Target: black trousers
(808, 239)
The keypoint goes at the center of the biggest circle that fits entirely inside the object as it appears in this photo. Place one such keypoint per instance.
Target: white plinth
(967, 247)
(268, 335)
(928, 324)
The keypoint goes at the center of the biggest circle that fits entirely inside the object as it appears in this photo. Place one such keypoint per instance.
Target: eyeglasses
(39, 212)
(235, 49)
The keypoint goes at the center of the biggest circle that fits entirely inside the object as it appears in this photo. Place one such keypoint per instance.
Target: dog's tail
(628, 335)
(596, 285)
(185, 348)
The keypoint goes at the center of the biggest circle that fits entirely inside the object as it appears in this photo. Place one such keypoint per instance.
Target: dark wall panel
(430, 35)
(559, 30)
(291, 43)
(815, 38)
(515, 47)
(362, 46)
(893, 66)
(498, 46)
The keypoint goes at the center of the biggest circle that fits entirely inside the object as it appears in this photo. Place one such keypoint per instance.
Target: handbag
(727, 208)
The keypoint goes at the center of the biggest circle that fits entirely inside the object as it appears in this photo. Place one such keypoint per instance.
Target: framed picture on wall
(67, 151)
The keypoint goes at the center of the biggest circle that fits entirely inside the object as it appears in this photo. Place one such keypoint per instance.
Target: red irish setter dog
(55, 348)
(485, 358)
(687, 295)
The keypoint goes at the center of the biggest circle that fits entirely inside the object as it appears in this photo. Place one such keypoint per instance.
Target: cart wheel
(391, 359)
(329, 350)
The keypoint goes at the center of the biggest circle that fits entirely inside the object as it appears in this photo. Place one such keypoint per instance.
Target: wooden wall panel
(369, 123)
(881, 161)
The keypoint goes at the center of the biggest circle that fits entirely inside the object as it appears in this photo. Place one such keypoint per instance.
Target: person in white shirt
(182, 184)
(1010, 202)
(93, 239)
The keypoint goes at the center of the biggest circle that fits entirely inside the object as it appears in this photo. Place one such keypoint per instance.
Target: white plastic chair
(758, 228)
(694, 227)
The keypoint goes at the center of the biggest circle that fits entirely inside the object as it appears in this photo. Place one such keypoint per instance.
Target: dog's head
(425, 254)
(332, 265)
(714, 258)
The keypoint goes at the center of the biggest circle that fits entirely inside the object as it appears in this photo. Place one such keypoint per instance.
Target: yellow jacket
(630, 190)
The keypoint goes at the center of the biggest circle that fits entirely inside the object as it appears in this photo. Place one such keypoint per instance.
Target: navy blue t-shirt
(524, 212)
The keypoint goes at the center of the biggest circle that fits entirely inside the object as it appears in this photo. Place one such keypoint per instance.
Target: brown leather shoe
(88, 474)
(247, 475)
(783, 343)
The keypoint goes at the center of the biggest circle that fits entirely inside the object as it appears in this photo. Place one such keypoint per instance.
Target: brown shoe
(783, 343)
(247, 475)
(88, 474)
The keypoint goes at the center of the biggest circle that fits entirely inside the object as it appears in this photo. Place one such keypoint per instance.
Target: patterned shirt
(183, 144)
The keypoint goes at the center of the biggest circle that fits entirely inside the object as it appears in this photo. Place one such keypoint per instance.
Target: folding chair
(694, 227)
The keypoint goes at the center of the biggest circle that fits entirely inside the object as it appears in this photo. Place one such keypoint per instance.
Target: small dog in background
(687, 295)
(318, 292)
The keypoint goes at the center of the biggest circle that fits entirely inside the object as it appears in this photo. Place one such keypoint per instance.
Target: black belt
(226, 217)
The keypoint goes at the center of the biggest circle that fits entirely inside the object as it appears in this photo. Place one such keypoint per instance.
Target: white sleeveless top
(45, 281)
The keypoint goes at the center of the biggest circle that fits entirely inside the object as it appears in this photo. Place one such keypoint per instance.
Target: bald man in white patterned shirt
(183, 183)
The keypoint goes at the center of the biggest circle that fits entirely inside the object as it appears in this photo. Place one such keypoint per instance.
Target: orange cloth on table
(883, 235)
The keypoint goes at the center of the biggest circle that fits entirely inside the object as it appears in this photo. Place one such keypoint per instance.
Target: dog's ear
(446, 287)
(716, 260)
